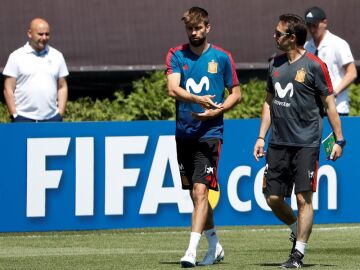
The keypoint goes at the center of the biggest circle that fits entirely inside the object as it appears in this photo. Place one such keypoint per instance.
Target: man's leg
(305, 219)
(199, 196)
(215, 251)
(281, 209)
(284, 212)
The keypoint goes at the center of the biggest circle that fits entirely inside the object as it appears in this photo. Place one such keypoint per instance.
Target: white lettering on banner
(116, 176)
(38, 178)
(84, 195)
(331, 177)
(245, 206)
(155, 193)
(234, 199)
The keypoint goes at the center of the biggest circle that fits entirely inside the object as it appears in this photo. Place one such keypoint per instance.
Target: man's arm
(334, 120)
(264, 127)
(62, 95)
(349, 77)
(9, 88)
(232, 99)
(179, 93)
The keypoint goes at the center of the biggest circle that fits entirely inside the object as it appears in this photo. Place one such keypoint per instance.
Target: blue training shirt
(207, 74)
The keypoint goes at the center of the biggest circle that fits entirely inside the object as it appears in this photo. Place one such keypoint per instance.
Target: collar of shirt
(324, 43)
(29, 49)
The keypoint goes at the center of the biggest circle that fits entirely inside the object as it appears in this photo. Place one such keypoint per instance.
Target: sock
(194, 241)
(300, 246)
(293, 228)
(212, 238)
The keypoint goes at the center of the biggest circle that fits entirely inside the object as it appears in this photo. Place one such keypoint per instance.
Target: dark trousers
(22, 119)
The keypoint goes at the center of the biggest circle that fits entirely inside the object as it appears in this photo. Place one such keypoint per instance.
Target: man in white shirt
(335, 52)
(35, 86)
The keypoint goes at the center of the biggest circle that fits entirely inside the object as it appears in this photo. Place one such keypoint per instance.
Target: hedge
(149, 101)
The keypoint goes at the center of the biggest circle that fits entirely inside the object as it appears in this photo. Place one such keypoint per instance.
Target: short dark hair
(196, 15)
(296, 26)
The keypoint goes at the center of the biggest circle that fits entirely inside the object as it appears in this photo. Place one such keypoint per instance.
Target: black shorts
(198, 161)
(289, 165)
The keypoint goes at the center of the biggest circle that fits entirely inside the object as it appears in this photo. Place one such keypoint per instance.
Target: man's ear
(292, 37)
(208, 27)
(325, 21)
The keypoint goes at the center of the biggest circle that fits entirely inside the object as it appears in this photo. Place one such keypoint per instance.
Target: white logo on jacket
(196, 88)
(282, 92)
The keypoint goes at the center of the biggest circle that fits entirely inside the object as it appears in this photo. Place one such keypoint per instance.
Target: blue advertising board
(107, 175)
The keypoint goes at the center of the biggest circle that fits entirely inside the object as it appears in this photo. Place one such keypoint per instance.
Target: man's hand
(207, 102)
(207, 114)
(259, 149)
(336, 152)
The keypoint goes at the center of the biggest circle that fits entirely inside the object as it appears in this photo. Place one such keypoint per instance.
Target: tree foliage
(149, 101)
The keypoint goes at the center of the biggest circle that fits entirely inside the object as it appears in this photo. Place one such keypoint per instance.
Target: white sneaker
(189, 259)
(213, 256)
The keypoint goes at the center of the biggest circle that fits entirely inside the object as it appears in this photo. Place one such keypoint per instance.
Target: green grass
(331, 247)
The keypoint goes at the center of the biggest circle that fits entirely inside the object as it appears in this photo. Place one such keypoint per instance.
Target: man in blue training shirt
(198, 73)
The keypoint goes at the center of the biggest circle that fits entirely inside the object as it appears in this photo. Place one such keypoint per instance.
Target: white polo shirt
(37, 77)
(336, 53)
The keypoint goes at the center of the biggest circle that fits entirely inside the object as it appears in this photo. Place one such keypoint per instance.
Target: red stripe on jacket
(324, 69)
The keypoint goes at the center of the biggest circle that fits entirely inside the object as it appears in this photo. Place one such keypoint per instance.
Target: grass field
(331, 247)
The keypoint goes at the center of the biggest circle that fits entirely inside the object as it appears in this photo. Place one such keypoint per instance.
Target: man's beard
(198, 42)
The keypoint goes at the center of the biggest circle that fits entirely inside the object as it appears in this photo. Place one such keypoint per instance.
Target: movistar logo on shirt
(196, 88)
(282, 92)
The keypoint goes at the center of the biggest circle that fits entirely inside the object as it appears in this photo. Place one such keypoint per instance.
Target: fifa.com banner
(106, 175)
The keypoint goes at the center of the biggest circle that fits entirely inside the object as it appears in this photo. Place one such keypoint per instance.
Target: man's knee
(200, 192)
(274, 200)
(304, 199)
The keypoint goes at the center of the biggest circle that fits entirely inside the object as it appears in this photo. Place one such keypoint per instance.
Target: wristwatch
(341, 143)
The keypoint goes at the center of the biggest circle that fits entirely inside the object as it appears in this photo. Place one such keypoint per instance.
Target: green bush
(4, 115)
(252, 97)
(149, 101)
(354, 93)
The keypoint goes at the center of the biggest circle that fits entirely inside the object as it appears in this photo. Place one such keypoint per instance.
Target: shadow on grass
(170, 263)
(178, 263)
(304, 266)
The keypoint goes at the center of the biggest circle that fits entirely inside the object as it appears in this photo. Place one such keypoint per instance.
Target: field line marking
(185, 231)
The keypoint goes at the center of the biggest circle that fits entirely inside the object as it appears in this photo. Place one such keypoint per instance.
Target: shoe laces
(292, 237)
(296, 256)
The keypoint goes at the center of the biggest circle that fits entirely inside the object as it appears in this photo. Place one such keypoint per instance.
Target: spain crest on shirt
(300, 75)
(212, 67)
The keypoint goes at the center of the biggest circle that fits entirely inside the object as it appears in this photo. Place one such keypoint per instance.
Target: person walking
(197, 75)
(298, 90)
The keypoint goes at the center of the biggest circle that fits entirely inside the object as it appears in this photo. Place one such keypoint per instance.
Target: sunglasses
(279, 34)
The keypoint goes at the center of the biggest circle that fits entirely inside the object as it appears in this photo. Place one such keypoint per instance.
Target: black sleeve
(270, 85)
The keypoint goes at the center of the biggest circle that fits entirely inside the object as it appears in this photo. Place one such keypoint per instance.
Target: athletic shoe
(189, 259)
(213, 256)
(294, 261)
(293, 240)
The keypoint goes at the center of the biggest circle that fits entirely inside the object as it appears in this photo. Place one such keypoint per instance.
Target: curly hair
(195, 15)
